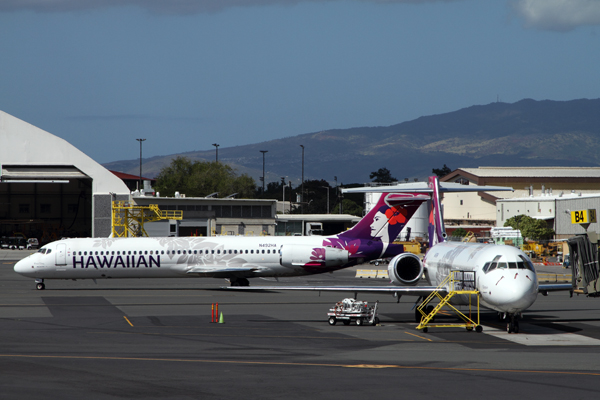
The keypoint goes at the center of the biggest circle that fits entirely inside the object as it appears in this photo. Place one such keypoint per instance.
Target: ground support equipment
(351, 310)
(456, 283)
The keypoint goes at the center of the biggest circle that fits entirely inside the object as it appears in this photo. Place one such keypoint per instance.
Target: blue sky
(188, 73)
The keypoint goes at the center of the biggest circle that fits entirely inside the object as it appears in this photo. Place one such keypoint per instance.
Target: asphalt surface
(153, 339)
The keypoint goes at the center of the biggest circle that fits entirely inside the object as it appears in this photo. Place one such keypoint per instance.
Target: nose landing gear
(512, 325)
(39, 284)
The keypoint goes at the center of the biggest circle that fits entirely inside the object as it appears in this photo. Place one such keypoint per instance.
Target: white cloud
(558, 15)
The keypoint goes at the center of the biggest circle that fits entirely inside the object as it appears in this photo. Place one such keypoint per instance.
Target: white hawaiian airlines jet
(232, 257)
(505, 276)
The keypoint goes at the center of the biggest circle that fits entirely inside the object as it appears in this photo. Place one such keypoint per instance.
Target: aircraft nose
(512, 290)
(24, 267)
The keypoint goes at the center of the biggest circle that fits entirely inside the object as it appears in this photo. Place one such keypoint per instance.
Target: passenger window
(246, 251)
(178, 251)
(146, 252)
(263, 252)
(162, 252)
(251, 251)
(218, 251)
(229, 251)
(85, 253)
(235, 251)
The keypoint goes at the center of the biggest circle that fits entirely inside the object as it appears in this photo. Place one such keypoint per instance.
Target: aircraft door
(61, 254)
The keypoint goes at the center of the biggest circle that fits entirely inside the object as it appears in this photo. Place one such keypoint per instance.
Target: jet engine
(305, 255)
(405, 269)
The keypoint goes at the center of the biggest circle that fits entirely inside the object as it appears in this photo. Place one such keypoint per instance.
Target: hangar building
(49, 188)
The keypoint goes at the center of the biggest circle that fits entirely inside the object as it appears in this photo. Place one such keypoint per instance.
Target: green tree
(459, 233)
(350, 207)
(445, 170)
(382, 175)
(201, 178)
(535, 229)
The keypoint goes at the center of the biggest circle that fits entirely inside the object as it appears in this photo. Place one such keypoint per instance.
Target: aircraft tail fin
(436, 229)
(389, 216)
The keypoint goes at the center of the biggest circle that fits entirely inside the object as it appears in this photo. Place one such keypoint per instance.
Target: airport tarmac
(146, 338)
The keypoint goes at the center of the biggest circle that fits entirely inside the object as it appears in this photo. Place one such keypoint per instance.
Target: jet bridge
(584, 261)
(583, 250)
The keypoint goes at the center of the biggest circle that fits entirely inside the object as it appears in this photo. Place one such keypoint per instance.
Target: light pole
(140, 140)
(327, 187)
(302, 189)
(217, 151)
(337, 191)
(283, 197)
(263, 177)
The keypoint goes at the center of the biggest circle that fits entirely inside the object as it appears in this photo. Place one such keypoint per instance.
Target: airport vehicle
(231, 257)
(505, 277)
(351, 310)
(378, 261)
(32, 243)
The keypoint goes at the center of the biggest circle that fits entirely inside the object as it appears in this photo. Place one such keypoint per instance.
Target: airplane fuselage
(504, 275)
(172, 257)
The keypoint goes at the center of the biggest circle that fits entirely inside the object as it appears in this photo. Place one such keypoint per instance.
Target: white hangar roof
(30, 153)
(528, 172)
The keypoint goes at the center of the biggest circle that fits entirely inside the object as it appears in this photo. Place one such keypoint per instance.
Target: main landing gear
(239, 282)
(39, 284)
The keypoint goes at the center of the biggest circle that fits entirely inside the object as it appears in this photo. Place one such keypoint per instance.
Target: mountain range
(525, 133)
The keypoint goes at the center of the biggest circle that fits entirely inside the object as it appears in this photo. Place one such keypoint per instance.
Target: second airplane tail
(436, 228)
(389, 216)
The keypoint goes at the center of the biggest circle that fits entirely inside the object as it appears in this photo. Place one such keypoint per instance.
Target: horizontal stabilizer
(422, 187)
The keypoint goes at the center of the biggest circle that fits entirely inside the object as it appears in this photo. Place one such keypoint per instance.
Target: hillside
(525, 133)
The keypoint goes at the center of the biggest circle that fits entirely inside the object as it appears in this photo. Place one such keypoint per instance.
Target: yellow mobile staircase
(456, 283)
(128, 219)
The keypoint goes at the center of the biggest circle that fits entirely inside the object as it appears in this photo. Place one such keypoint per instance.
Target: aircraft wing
(220, 269)
(555, 287)
(400, 290)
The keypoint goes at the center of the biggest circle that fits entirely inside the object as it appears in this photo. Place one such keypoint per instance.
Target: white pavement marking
(549, 337)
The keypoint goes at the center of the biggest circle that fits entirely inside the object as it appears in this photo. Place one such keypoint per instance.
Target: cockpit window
(43, 251)
(526, 264)
(494, 264)
(486, 267)
(512, 265)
